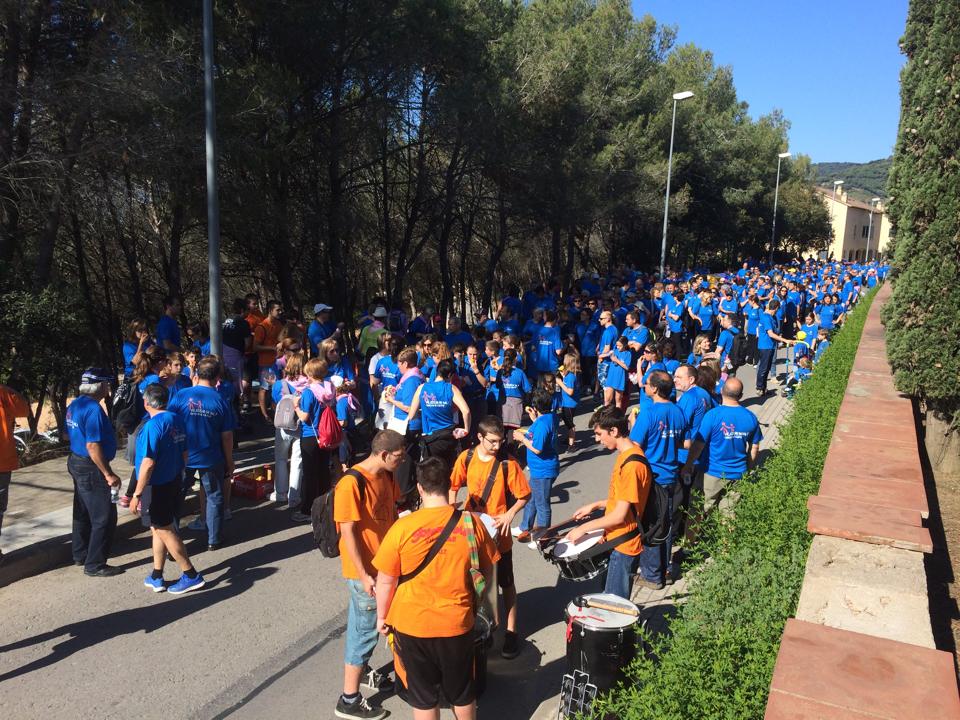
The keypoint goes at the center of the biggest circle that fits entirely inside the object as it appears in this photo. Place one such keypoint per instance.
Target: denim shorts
(362, 635)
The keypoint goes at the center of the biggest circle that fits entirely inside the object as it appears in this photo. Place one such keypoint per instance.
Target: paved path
(265, 637)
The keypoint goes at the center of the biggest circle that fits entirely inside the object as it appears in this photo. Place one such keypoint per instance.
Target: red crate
(254, 485)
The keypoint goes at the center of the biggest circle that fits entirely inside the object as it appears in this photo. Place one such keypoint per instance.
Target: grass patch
(717, 660)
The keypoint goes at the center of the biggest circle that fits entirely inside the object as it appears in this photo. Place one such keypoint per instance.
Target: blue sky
(832, 68)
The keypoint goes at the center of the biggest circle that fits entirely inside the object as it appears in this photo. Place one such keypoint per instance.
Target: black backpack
(653, 522)
(127, 408)
(325, 531)
(738, 350)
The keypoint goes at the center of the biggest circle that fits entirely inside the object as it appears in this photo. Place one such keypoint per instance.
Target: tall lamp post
(873, 203)
(213, 201)
(677, 97)
(776, 196)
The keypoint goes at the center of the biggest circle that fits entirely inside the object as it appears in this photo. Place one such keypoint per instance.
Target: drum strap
(603, 547)
(488, 488)
(435, 549)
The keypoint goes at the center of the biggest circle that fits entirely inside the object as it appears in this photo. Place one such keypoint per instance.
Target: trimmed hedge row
(717, 660)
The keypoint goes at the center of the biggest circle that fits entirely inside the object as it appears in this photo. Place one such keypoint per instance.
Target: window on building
(864, 231)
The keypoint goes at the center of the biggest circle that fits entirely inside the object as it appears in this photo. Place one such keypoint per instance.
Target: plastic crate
(254, 484)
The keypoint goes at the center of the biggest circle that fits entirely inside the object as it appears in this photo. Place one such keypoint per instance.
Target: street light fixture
(677, 97)
(776, 195)
(873, 202)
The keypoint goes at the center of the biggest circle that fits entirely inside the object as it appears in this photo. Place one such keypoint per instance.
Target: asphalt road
(264, 638)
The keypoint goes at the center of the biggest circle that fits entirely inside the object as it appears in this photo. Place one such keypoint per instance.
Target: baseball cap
(380, 312)
(93, 375)
(320, 307)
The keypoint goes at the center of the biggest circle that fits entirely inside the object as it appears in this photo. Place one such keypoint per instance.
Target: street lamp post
(677, 97)
(873, 203)
(213, 201)
(776, 195)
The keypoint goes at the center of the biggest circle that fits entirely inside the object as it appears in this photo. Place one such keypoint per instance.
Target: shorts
(566, 414)
(362, 635)
(512, 412)
(505, 570)
(716, 491)
(267, 376)
(602, 369)
(160, 504)
(435, 666)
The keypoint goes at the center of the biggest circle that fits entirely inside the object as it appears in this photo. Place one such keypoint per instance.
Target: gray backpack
(285, 415)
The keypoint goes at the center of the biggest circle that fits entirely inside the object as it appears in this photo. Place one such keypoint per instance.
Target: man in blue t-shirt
(456, 335)
(160, 458)
(731, 436)
(93, 445)
(209, 422)
(659, 431)
(547, 345)
(168, 331)
(321, 328)
(767, 339)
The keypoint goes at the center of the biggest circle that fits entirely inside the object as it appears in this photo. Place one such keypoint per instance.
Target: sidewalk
(39, 519)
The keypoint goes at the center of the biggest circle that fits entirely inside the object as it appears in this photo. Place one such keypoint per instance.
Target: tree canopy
(419, 149)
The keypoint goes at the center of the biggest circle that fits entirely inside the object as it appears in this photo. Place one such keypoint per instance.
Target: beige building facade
(853, 237)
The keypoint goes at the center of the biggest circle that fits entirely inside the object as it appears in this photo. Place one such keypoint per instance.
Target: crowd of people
(402, 414)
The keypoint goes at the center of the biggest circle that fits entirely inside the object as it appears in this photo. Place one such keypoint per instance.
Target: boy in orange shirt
(431, 612)
(12, 406)
(508, 492)
(629, 487)
(363, 517)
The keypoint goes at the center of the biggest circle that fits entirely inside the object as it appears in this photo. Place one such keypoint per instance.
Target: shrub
(717, 660)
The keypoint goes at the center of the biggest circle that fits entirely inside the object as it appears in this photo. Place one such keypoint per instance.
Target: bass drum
(601, 643)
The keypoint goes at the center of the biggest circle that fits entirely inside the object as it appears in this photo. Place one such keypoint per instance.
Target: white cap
(320, 307)
(380, 312)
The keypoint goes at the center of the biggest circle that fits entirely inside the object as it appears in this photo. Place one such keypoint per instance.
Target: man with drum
(497, 486)
(431, 567)
(630, 485)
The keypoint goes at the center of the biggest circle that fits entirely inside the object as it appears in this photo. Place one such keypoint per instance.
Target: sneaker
(515, 531)
(155, 584)
(198, 524)
(376, 680)
(227, 515)
(278, 498)
(185, 584)
(523, 536)
(299, 517)
(360, 710)
(649, 584)
(511, 645)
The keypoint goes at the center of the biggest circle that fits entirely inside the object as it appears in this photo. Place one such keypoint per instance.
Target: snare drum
(600, 642)
(578, 562)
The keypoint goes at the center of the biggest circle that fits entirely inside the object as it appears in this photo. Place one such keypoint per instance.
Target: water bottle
(115, 495)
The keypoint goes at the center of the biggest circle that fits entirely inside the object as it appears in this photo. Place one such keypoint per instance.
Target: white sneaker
(198, 524)
(515, 531)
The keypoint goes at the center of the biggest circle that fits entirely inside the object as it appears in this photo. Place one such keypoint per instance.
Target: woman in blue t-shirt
(512, 385)
(437, 402)
(588, 333)
(617, 373)
(135, 342)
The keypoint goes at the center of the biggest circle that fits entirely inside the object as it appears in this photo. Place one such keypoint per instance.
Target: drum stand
(577, 694)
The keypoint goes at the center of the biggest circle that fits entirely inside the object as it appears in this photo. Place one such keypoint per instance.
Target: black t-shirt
(235, 332)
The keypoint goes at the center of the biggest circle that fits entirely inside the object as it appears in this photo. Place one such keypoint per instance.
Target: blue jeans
(212, 480)
(764, 363)
(654, 560)
(616, 581)
(362, 635)
(536, 513)
(94, 516)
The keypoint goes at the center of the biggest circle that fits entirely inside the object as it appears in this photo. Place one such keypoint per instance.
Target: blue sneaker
(185, 584)
(155, 584)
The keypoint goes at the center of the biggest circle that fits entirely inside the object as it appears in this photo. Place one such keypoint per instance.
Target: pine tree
(923, 315)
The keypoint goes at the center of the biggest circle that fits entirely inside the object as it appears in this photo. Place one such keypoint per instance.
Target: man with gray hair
(93, 445)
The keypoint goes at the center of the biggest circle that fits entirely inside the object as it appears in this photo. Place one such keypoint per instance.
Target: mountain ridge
(862, 181)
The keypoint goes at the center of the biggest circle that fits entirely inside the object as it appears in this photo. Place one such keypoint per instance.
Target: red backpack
(329, 432)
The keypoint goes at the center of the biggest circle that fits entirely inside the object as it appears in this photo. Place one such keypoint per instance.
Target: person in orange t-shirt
(266, 343)
(363, 521)
(509, 492)
(12, 406)
(431, 614)
(626, 498)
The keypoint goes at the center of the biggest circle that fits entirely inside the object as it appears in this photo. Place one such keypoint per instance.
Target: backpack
(325, 532)
(653, 521)
(738, 350)
(329, 431)
(127, 407)
(395, 321)
(285, 414)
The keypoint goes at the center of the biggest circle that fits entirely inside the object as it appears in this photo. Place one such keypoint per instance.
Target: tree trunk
(497, 252)
(554, 249)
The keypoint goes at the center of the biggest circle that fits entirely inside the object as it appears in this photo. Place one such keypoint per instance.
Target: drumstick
(612, 607)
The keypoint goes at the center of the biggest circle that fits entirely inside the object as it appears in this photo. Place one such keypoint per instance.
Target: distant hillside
(861, 180)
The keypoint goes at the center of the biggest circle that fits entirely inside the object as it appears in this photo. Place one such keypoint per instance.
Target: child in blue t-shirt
(619, 369)
(540, 440)
(347, 409)
(823, 342)
(569, 385)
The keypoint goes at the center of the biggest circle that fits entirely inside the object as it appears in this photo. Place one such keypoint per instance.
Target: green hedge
(717, 660)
